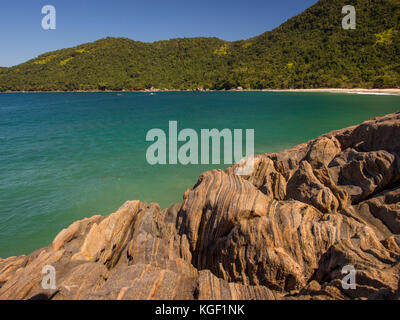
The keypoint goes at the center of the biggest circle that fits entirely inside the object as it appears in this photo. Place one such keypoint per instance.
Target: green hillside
(310, 50)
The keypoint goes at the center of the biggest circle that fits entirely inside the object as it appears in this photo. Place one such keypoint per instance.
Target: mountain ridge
(310, 50)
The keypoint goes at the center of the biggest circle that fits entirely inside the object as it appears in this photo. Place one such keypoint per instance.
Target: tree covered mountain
(311, 50)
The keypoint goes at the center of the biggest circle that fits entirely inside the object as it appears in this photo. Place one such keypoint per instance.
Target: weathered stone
(283, 232)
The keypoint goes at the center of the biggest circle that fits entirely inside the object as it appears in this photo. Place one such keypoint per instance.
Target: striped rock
(286, 231)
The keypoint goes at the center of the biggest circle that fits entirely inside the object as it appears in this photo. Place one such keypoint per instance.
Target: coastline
(391, 91)
(244, 226)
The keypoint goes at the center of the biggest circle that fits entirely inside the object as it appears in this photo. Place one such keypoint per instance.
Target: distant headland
(309, 51)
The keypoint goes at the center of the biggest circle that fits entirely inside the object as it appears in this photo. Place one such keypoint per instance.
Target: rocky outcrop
(284, 232)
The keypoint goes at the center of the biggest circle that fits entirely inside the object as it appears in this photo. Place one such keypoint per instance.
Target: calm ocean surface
(66, 156)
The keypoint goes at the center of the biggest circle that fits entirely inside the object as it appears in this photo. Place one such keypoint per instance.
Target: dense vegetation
(310, 50)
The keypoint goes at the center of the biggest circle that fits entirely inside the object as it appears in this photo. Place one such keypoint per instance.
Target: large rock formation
(284, 232)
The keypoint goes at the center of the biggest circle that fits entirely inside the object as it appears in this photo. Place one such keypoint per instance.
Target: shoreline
(391, 91)
(107, 256)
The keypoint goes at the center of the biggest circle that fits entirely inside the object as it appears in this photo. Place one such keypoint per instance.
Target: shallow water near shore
(66, 156)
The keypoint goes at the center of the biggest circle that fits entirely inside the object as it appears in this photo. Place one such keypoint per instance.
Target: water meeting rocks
(283, 232)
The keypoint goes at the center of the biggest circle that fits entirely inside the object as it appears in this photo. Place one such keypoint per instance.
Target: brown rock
(283, 232)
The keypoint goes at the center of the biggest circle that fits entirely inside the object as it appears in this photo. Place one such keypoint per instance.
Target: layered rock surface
(284, 232)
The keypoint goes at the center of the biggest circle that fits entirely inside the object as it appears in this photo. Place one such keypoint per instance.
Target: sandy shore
(394, 91)
(355, 91)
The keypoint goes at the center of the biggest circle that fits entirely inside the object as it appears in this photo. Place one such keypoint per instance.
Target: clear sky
(80, 21)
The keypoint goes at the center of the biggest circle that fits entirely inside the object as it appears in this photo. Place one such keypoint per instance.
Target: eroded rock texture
(284, 232)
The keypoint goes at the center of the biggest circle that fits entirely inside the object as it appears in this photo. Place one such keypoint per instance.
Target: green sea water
(66, 156)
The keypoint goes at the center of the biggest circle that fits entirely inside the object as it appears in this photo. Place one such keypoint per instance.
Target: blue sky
(80, 21)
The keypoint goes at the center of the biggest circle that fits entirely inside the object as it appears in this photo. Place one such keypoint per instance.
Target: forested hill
(310, 50)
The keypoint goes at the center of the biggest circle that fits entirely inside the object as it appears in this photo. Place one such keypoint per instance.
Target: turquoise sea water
(66, 156)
